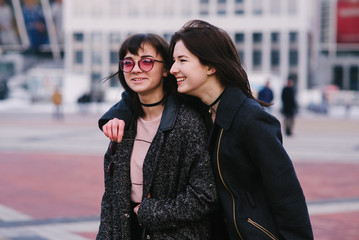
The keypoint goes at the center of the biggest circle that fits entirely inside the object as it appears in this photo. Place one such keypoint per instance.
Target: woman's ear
(211, 70)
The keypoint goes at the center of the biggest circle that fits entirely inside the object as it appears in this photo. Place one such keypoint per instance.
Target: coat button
(127, 215)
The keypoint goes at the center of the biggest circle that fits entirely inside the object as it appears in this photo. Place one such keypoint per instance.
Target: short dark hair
(132, 44)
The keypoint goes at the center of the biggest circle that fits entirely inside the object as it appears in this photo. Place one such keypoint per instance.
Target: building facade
(273, 37)
(338, 44)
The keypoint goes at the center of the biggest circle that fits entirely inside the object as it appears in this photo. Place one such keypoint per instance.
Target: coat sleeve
(199, 196)
(105, 229)
(264, 143)
(121, 110)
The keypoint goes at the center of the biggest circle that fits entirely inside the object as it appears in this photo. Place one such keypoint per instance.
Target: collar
(231, 101)
(170, 113)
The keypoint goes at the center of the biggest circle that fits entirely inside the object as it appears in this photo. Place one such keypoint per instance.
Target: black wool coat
(176, 173)
(259, 190)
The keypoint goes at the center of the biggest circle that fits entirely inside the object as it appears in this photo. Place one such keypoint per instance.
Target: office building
(273, 37)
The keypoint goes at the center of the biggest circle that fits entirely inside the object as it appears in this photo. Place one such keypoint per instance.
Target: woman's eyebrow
(146, 56)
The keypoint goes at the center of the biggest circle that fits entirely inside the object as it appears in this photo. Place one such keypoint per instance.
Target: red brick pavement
(51, 185)
(331, 181)
(339, 226)
(324, 181)
(58, 185)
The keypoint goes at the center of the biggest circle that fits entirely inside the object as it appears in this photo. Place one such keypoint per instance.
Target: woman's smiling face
(190, 73)
(145, 83)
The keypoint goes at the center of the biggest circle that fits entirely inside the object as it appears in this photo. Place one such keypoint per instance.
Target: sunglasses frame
(139, 64)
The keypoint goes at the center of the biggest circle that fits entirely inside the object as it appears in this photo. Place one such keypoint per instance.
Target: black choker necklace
(214, 103)
(153, 104)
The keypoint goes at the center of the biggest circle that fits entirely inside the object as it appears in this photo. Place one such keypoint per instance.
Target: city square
(51, 173)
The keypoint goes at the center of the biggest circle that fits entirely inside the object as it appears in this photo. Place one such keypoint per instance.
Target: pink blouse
(146, 131)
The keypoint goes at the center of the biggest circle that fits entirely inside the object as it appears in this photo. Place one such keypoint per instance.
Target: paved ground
(51, 175)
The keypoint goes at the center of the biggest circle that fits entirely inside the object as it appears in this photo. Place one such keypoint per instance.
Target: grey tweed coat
(176, 173)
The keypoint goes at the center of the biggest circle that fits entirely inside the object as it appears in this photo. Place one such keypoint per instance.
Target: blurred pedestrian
(289, 106)
(57, 100)
(159, 183)
(266, 94)
(84, 102)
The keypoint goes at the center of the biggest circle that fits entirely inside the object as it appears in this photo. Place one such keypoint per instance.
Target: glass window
(239, 37)
(257, 58)
(115, 38)
(338, 76)
(96, 57)
(221, 7)
(239, 7)
(275, 37)
(257, 37)
(95, 78)
(293, 37)
(275, 58)
(241, 56)
(293, 58)
(114, 81)
(204, 7)
(354, 78)
(114, 57)
(79, 37)
(257, 7)
(79, 57)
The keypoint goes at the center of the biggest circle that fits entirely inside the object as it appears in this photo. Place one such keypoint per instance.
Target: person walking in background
(158, 181)
(57, 100)
(260, 195)
(266, 94)
(289, 106)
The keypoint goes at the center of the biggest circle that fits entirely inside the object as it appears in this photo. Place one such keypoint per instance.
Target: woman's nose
(136, 68)
(173, 69)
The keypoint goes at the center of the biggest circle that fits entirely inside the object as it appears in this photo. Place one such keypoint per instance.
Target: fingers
(113, 129)
(120, 129)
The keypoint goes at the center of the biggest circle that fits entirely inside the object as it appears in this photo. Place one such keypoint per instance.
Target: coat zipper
(264, 230)
(220, 175)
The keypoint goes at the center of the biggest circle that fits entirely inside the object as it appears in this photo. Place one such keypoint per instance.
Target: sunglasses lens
(127, 65)
(146, 64)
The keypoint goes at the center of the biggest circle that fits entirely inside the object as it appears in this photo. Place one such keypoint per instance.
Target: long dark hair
(132, 44)
(214, 47)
